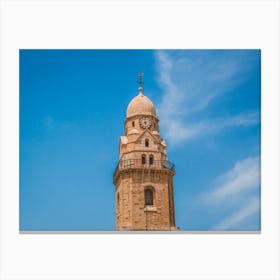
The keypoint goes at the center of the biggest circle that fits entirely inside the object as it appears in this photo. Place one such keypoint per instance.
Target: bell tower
(143, 177)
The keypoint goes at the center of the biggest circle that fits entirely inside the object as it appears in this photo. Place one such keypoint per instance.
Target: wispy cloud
(239, 186)
(177, 131)
(50, 123)
(245, 175)
(191, 82)
(252, 208)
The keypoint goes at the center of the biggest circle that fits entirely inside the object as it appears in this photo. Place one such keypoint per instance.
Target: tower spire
(140, 82)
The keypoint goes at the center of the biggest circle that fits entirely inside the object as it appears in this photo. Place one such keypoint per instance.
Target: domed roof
(140, 105)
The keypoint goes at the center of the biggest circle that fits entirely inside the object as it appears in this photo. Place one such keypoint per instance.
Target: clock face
(145, 122)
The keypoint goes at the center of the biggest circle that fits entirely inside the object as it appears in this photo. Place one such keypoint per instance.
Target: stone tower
(143, 177)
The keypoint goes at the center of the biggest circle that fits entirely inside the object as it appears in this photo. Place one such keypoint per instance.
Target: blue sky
(72, 112)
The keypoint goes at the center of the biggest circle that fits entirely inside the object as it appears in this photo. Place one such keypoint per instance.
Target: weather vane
(140, 76)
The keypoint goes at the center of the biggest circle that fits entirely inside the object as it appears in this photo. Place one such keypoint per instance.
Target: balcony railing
(138, 163)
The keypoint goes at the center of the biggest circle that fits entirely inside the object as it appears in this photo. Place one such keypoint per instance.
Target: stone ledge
(150, 208)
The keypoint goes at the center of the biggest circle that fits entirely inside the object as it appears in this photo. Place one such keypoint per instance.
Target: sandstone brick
(143, 166)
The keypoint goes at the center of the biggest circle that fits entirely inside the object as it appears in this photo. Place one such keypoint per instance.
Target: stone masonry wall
(132, 214)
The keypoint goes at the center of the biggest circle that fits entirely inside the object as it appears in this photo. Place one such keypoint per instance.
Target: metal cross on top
(140, 77)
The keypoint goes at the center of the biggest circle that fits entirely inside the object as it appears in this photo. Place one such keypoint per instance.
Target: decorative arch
(151, 159)
(143, 159)
(149, 195)
(146, 142)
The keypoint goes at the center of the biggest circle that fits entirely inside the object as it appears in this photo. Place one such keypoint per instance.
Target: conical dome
(140, 105)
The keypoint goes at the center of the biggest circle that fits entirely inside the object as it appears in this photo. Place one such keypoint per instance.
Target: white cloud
(190, 85)
(49, 123)
(244, 176)
(245, 119)
(236, 191)
(252, 208)
(177, 131)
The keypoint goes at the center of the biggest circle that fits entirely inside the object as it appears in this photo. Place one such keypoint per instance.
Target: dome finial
(140, 82)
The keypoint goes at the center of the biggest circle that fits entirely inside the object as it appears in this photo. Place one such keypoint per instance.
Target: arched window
(146, 142)
(151, 159)
(118, 199)
(143, 159)
(149, 197)
(132, 124)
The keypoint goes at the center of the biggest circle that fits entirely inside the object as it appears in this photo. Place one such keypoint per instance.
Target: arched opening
(118, 199)
(149, 197)
(133, 124)
(146, 142)
(151, 159)
(143, 159)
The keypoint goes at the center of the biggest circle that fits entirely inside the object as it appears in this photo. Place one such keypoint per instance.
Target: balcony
(138, 164)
